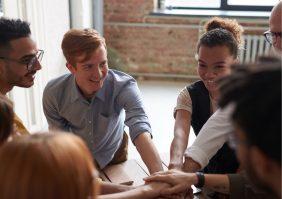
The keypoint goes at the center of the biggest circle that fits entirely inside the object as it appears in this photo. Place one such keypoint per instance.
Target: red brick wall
(152, 44)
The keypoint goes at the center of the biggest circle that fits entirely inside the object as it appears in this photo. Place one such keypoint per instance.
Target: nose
(97, 73)
(276, 41)
(37, 65)
(210, 74)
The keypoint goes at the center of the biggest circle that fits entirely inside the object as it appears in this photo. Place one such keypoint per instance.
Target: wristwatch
(201, 179)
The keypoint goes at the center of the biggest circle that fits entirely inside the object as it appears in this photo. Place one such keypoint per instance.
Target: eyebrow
(216, 63)
(28, 56)
(221, 62)
(199, 60)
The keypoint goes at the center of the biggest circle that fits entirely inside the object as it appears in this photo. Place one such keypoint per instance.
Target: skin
(90, 74)
(151, 190)
(181, 181)
(262, 170)
(13, 73)
(213, 64)
(275, 25)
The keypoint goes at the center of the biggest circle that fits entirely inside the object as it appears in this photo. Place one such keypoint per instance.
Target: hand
(153, 189)
(178, 180)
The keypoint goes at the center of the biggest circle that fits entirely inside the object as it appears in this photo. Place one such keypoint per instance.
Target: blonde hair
(47, 166)
(77, 42)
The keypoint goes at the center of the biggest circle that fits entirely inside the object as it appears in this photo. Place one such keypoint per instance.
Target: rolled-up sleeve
(212, 136)
(184, 102)
(136, 118)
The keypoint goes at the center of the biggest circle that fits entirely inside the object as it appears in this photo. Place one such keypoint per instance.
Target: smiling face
(91, 73)
(15, 73)
(214, 63)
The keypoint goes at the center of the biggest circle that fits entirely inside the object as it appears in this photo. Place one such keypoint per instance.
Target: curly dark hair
(222, 32)
(256, 92)
(11, 29)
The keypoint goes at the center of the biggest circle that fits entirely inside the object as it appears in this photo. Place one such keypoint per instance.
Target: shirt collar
(75, 93)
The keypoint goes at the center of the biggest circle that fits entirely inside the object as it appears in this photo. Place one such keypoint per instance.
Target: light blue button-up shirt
(100, 123)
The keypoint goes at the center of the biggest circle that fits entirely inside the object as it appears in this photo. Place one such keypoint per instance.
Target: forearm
(190, 165)
(177, 148)
(180, 140)
(217, 182)
(107, 188)
(148, 152)
(151, 190)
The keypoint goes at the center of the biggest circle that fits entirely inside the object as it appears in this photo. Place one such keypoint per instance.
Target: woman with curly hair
(217, 50)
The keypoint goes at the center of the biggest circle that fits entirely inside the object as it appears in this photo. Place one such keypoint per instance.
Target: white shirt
(212, 136)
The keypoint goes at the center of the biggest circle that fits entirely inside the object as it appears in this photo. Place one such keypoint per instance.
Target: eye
(26, 61)
(87, 66)
(103, 64)
(219, 66)
(201, 65)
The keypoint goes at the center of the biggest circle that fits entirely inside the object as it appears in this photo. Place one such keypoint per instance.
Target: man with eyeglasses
(217, 129)
(273, 35)
(19, 59)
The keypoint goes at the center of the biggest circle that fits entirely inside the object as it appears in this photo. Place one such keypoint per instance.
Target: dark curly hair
(11, 29)
(222, 32)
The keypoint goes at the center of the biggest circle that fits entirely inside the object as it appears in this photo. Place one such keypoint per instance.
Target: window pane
(193, 3)
(1, 9)
(252, 2)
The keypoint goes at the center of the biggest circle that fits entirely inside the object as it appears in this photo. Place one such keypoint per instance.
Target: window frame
(224, 7)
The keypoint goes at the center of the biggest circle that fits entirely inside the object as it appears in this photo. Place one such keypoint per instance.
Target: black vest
(224, 161)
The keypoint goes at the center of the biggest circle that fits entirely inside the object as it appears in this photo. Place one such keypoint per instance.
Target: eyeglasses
(31, 63)
(271, 37)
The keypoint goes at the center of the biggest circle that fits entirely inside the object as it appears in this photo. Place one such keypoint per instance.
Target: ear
(71, 68)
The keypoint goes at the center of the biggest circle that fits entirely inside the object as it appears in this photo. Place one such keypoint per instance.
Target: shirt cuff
(198, 155)
(135, 131)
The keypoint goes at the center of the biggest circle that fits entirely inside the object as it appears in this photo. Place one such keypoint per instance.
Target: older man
(216, 130)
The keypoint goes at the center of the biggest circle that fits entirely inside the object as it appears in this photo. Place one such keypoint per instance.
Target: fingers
(157, 177)
(173, 190)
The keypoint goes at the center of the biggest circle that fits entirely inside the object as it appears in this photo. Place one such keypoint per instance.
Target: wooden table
(131, 172)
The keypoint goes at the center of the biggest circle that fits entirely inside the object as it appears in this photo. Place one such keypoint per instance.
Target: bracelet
(201, 179)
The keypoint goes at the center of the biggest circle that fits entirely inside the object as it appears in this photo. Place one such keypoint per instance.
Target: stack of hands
(173, 184)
